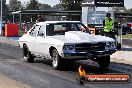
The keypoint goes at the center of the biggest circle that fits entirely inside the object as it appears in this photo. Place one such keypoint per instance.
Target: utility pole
(1, 18)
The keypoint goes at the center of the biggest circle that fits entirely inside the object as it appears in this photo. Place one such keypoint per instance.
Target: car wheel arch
(25, 45)
(51, 49)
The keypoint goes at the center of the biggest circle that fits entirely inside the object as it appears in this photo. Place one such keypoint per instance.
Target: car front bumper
(84, 55)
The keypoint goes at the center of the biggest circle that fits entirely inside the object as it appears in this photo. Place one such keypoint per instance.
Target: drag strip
(40, 74)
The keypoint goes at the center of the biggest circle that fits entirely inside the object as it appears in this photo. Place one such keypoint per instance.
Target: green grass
(128, 36)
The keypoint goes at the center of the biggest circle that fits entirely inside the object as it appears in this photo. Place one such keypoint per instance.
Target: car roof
(46, 22)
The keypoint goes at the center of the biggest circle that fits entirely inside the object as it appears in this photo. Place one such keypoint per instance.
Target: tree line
(15, 5)
(68, 5)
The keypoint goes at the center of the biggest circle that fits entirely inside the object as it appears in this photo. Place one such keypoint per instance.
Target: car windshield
(61, 28)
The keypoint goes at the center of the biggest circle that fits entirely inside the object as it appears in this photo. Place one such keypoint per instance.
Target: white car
(66, 40)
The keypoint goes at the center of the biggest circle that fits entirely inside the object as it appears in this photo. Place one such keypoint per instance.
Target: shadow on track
(74, 65)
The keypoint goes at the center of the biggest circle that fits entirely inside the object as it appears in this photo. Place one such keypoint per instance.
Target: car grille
(86, 47)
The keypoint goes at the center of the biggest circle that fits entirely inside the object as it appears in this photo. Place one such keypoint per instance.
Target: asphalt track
(40, 74)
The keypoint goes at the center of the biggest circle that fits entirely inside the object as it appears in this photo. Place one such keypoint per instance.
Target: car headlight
(69, 47)
(110, 45)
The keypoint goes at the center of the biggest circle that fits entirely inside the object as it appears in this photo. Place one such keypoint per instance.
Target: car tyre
(56, 60)
(103, 62)
(28, 57)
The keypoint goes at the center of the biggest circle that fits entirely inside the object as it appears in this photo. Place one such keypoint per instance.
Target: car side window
(34, 30)
(50, 30)
(41, 31)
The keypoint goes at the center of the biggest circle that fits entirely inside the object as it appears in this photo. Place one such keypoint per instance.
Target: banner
(109, 3)
(103, 3)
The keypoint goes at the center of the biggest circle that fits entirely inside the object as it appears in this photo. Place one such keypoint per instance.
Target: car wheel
(56, 60)
(28, 57)
(103, 62)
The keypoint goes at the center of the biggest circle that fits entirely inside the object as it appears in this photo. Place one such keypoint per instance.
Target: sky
(128, 3)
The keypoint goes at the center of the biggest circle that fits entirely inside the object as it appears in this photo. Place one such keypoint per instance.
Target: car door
(32, 39)
(41, 44)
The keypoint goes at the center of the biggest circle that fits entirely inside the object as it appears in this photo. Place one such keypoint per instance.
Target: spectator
(108, 26)
(40, 19)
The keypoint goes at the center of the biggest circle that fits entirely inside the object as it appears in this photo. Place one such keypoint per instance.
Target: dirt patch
(121, 61)
(6, 82)
(123, 55)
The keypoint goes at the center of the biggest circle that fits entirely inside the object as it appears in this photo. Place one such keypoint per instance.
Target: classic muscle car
(65, 40)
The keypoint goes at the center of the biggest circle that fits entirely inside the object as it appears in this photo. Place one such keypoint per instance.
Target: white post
(20, 20)
(95, 14)
(1, 19)
(31, 20)
(13, 19)
(113, 15)
(120, 34)
(85, 16)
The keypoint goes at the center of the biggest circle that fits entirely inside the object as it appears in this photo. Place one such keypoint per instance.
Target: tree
(130, 10)
(4, 6)
(44, 6)
(120, 9)
(4, 9)
(129, 19)
(71, 4)
(32, 5)
(57, 7)
(15, 5)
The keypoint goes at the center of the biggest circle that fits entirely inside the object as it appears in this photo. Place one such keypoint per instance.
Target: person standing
(39, 19)
(108, 26)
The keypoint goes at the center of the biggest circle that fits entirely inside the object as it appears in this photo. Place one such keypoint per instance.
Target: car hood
(81, 37)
